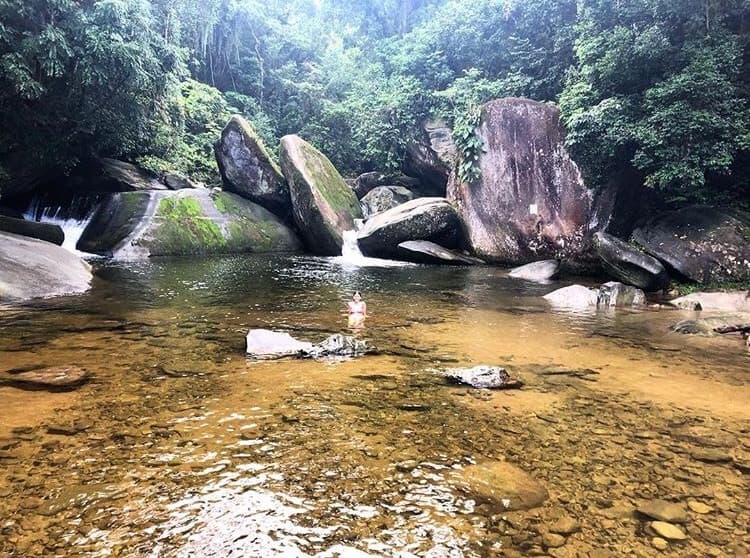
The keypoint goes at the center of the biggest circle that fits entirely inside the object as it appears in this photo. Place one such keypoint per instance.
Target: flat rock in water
(337, 345)
(613, 293)
(266, 344)
(664, 511)
(56, 377)
(574, 296)
(424, 251)
(503, 485)
(668, 531)
(738, 301)
(608, 295)
(536, 271)
(482, 377)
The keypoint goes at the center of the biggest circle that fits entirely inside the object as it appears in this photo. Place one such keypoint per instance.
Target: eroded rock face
(323, 205)
(432, 157)
(248, 170)
(530, 202)
(134, 225)
(629, 265)
(384, 198)
(31, 268)
(701, 243)
(426, 252)
(421, 219)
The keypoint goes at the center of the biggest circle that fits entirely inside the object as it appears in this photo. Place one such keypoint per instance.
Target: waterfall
(71, 215)
(352, 255)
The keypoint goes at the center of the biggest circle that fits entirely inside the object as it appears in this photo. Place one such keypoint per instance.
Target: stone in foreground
(502, 486)
(482, 377)
(668, 531)
(663, 511)
(323, 205)
(629, 265)
(337, 346)
(536, 271)
(738, 301)
(54, 378)
(248, 170)
(573, 296)
(608, 295)
(701, 243)
(529, 201)
(426, 252)
(31, 268)
(266, 344)
(431, 219)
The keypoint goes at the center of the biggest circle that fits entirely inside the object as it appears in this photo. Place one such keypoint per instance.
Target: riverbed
(180, 446)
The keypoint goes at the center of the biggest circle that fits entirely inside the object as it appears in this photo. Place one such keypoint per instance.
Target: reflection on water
(181, 446)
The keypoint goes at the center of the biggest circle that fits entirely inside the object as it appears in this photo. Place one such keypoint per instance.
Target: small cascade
(71, 215)
(352, 255)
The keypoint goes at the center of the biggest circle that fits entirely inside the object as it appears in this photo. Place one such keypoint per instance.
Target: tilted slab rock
(248, 170)
(323, 205)
(32, 229)
(426, 252)
(701, 243)
(31, 268)
(529, 202)
(629, 265)
(433, 219)
(536, 271)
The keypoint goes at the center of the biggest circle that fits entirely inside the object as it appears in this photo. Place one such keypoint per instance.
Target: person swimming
(357, 309)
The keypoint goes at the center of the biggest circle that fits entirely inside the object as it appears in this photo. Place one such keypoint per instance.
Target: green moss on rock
(184, 229)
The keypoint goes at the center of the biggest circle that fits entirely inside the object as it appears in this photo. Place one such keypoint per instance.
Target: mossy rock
(248, 170)
(323, 205)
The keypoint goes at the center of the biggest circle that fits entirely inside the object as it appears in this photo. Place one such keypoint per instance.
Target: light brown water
(181, 446)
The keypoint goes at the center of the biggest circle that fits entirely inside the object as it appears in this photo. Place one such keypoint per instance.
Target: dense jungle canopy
(656, 87)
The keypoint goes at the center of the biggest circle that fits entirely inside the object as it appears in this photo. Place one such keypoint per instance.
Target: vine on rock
(468, 143)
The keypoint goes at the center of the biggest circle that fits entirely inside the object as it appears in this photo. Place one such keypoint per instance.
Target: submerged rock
(58, 377)
(31, 268)
(629, 265)
(431, 219)
(502, 485)
(248, 170)
(482, 377)
(701, 243)
(184, 222)
(267, 344)
(322, 203)
(573, 296)
(338, 345)
(737, 301)
(383, 198)
(529, 201)
(426, 252)
(32, 229)
(536, 271)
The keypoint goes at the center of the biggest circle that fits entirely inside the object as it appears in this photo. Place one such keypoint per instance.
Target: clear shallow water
(186, 448)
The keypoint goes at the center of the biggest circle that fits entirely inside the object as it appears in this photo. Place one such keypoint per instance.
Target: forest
(655, 87)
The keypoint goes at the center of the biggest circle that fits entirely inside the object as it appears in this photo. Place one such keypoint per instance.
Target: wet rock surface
(32, 229)
(265, 344)
(337, 346)
(57, 377)
(609, 295)
(426, 252)
(629, 265)
(536, 271)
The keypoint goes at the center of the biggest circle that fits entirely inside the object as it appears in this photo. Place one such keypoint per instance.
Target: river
(181, 446)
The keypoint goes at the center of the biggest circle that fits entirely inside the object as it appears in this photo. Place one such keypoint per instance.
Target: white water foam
(72, 228)
(352, 256)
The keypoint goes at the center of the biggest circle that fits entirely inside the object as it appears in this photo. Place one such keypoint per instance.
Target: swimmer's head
(356, 297)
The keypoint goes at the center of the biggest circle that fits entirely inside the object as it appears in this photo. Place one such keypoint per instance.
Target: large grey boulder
(134, 225)
(426, 252)
(608, 295)
(41, 231)
(248, 170)
(701, 243)
(536, 271)
(629, 265)
(432, 219)
(431, 157)
(31, 268)
(529, 202)
(323, 205)
(384, 198)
